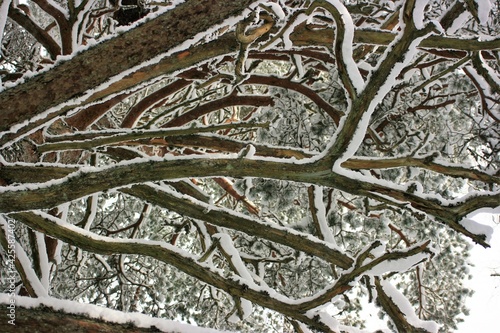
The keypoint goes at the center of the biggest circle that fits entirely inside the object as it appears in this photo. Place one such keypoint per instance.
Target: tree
(249, 164)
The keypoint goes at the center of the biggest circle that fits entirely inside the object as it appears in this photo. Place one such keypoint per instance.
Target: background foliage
(245, 166)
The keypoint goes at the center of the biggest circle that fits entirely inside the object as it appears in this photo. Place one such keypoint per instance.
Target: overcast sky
(485, 304)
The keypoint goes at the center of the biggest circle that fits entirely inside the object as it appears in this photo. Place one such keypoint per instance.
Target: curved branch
(344, 34)
(92, 180)
(334, 113)
(137, 110)
(230, 100)
(36, 31)
(91, 140)
(425, 163)
(168, 254)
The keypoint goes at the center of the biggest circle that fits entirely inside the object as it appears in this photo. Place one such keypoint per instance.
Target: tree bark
(47, 320)
(89, 69)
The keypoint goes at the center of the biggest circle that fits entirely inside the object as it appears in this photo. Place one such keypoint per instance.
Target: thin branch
(91, 140)
(170, 255)
(428, 163)
(391, 308)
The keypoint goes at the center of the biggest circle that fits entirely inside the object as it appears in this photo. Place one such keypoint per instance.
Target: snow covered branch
(245, 164)
(170, 255)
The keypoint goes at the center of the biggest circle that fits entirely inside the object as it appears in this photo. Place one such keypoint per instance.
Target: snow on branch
(344, 36)
(23, 264)
(388, 262)
(102, 313)
(251, 225)
(400, 310)
(169, 254)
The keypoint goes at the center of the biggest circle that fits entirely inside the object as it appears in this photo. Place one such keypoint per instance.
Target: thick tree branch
(251, 226)
(83, 183)
(52, 94)
(73, 78)
(170, 255)
(424, 163)
(91, 140)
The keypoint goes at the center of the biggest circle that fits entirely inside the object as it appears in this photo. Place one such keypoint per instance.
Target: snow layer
(483, 10)
(25, 262)
(418, 13)
(4, 9)
(352, 68)
(241, 270)
(108, 315)
(406, 308)
(326, 232)
(477, 228)
(400, 265)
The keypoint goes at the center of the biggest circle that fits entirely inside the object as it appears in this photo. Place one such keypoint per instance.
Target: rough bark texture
(47, 320)
(71, 79)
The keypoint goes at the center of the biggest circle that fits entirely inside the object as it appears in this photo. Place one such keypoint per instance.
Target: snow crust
(458, 23)
(4, 9)
(325, 230)
(347, 43)
(477, 228)
(277, 9)
(241, 270)
(108, 315)
(404, 305)
(390, 82)
(418, 13)
(25, 262)
(400, 265)
(483, 10)
(43, 260)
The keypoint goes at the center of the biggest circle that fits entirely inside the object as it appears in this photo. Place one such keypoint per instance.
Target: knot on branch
(246, 35)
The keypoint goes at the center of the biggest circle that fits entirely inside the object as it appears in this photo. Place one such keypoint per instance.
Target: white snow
(418, 13)
(485, 87)
(400, 265)
(404, 305)
(93, 211)
(390, 82)
(483, 10)
(4, 9)
(277, 10)
(477, 228)
(108, 315)
(458, 22)
(286, 35)
(325, 230)
(250, 218)
(352, 69)
(43, 260)
(228, 246)
(241, 270)
(25, 262)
